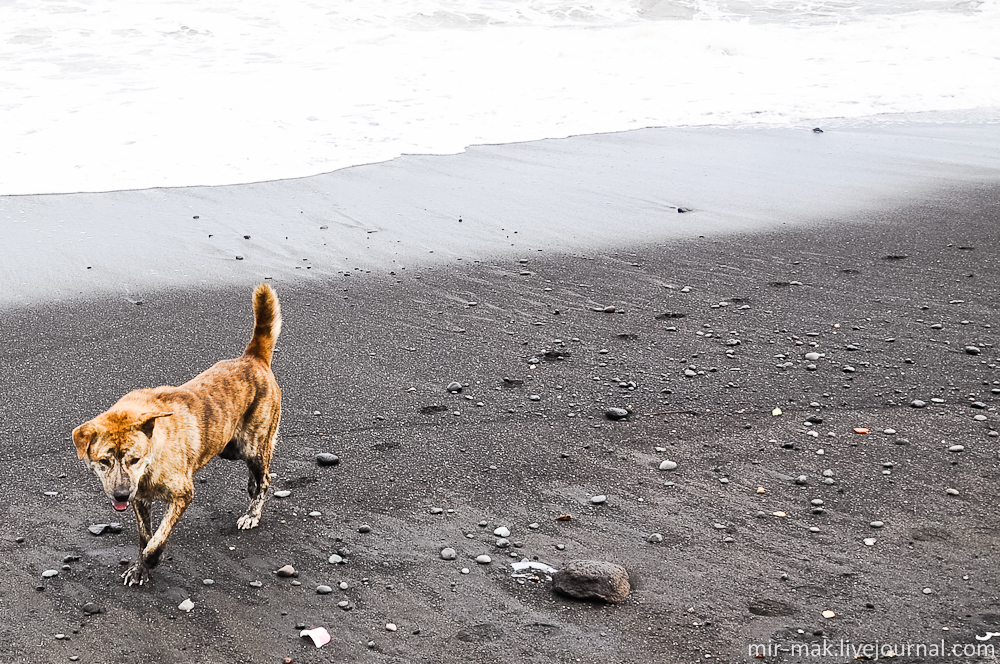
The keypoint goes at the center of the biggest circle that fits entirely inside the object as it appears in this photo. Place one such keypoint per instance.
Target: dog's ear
(147, 421)
(83, 436)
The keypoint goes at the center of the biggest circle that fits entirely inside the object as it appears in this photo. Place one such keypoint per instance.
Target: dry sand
(354, 345)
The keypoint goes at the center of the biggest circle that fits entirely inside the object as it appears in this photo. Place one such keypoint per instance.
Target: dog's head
(118, 447)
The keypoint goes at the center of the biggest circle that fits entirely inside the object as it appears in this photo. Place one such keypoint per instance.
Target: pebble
(655, 538)
(323, 590)
(98, 528)
(917, 403)
(957, 448)
(813, 529)
(436, 510)
(593, 579)
(889, 432)
(314, 514)
(484, 559)
(256, 584)
(534, 526)
(972, 350)
(870, 541)
(503, 543)
(812, 357)
(597, 500)
(829, 614)
(208, 582)
(186, 605)
(49, 573)
(449, 554)
(616, 413)
(335, 559)
(454, 386)
(343, 585)
(390, 627)
(816, 501)
(979, 418)
(364, 528)
(91, 609)
(668, 465)
(327, 459)
(502, 532)
(876, 524)
(285, 493)
(928, 591)
(286, 571)
(951, 492)
(979, 405)
(802, 479)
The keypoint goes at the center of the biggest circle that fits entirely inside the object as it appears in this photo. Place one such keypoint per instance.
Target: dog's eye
(132, 462)
(104, 463)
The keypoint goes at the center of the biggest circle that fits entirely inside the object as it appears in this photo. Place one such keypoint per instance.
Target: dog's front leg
(150, 555)
(143, 521)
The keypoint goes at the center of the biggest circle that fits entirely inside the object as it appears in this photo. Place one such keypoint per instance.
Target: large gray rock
(593, 579)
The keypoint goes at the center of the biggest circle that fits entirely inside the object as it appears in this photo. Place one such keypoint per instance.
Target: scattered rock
(917, 403)
(208, 582)
(98, 529)
(597, 500)
(449, 554)
(282, 494)
(616, 413)
(323, 590)
(91, 609)
(593, 579)
(286, 571)
(335, 559)
(454, 387)
(668, 465)
(364, 529)
(186, 605)
(484, 559)
(49, 573)
(502, 532)
(655, 538)
(327, 459)
(972, 350)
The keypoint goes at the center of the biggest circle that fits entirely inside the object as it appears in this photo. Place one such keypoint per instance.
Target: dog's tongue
(120, 507)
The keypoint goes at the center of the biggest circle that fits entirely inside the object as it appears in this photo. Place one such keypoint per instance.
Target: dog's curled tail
(266, 325)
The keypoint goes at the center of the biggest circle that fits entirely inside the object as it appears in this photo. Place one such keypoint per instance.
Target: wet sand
(866, 287)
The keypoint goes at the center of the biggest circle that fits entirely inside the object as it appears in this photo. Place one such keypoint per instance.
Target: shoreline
(554, 195)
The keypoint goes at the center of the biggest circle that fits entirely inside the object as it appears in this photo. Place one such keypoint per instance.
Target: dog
(149, 444)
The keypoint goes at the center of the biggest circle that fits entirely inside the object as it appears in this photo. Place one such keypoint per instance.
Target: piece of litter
(779, 514)
(761, 489)
(829, 614)
(564, 517)
(776, 412)
(319, 635)
(186, 605)
(860, 430)
(531, 564)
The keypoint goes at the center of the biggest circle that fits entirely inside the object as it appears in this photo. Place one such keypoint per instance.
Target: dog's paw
(247, 521)
(136, 575)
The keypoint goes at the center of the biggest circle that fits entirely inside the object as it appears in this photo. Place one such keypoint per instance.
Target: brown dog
(148, 445)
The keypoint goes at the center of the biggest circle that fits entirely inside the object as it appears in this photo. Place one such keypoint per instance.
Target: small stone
(49, 573)
(454, 386)
(533, 526)
(436, 510)
(208, 582)
(256, 584)
(876, 524)
(928, 591)
(286, 571)
(597, 500)
(870, 541)
(978, 404)
(668, 465)
(91, 609)
(593, 579)
(616, 413)
(502, 532)
(449, 554)
(282, 494)
(972, 350)
(979, 418)
(343, 585)
(917, 403)
(776, 412)
(957, 448)
(655, 538)
(390, 627)
(323, 590)
(186, 605)
(812, 357)
(889, 432)
(335, 559)
(98, 528)
(503, 543)
(327, 459)
(314, 514)
(816, 501)
(951, 492)
(802, 479)
(364, 528)
(609, 310)
(829, 614)
(484, 559)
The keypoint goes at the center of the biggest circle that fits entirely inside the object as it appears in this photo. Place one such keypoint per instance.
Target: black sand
(352, 348)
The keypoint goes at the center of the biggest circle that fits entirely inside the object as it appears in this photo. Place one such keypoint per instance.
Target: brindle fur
(149, 444)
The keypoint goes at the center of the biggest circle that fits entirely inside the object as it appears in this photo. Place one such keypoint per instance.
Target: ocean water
(100, 95)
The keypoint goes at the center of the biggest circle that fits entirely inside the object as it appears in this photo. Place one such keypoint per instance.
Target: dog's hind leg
(259, 466)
